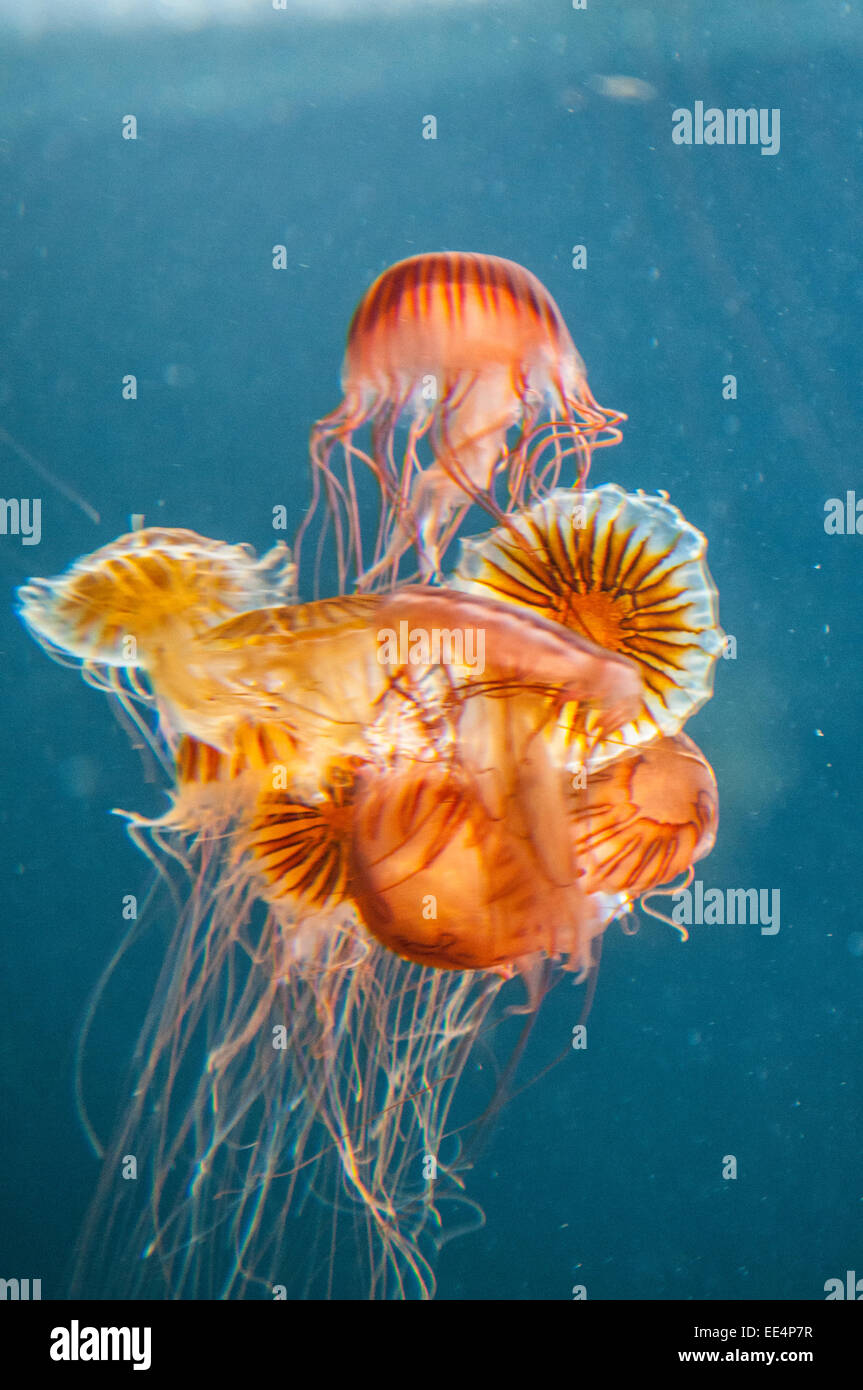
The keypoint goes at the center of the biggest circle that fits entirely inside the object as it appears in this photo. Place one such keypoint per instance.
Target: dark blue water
(153, 257)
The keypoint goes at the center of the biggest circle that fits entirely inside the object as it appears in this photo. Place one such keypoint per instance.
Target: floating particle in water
(79, 776)
(620, 88)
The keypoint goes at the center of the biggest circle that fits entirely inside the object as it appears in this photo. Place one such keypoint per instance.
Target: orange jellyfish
(644, 818)
(151, 589)
(473, 355)
(125, 611)
(628, 573)
(440, 880)
(295, 1109)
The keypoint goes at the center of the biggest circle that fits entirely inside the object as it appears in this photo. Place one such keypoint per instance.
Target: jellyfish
(375, 825)
(124, 612)
(629, 574)
(645, 818)
(473, 355)
(334, 676)
(298, 1099)
(156, 586)
(441, 881)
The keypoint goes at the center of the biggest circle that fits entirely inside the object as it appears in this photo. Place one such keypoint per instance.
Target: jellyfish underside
(627, 573)
(470, 445)
(645, 818)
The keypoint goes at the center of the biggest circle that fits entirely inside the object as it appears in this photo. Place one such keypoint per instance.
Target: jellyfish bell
(128, 612)
(644, 818)
(465, 347)
(301, 845)
(625, 571)
(441, 882)
(308, 668)
(155, 586)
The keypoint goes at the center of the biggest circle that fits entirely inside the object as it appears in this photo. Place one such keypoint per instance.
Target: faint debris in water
(619, 88)
(79, 776)
(51, 478)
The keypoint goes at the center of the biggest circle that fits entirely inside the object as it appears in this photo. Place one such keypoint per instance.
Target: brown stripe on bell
(299, 847)
(268, 749)
(198, 762)
(264, 747)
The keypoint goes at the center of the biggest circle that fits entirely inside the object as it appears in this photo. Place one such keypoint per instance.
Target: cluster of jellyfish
(366, 838)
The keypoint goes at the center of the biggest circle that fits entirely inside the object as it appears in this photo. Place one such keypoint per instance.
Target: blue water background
(154, 257)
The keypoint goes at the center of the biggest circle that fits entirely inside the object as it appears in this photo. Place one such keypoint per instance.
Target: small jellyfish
(464, 348)
(157, 586)
(644, 818)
